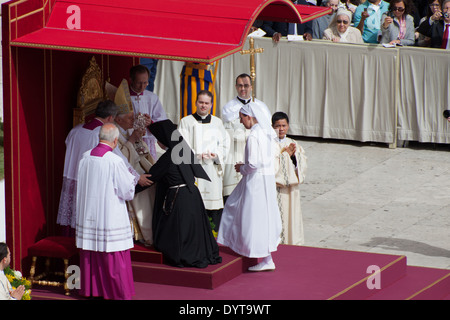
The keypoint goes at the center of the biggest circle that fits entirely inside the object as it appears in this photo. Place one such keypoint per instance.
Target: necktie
(445, 38)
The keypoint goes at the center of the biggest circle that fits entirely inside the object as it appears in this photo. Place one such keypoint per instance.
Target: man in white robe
(290, 169)
(136, 151)
(81, 138)
(145, 102)
(208, 139)
(103, 230)
(236, 130)
(251, 223)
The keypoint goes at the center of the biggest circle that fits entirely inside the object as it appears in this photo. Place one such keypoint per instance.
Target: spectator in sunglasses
(397, 25)
(340, 30)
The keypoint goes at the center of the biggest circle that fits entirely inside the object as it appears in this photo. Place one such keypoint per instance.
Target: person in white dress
(251, 222)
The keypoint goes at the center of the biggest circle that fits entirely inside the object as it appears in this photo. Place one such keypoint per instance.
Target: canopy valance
(188, 30)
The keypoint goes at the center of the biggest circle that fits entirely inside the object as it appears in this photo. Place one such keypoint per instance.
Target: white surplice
(208, 137)
(251, 223)
(288, 178)
(148, 103)
(237, 135)
(104, 186)
(141, 207)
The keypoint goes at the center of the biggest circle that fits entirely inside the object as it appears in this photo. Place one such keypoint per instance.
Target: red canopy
(188, 30)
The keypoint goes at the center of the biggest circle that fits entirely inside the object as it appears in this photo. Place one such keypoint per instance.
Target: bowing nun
(181, 227)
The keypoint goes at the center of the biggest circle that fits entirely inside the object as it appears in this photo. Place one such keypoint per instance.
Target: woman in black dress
(181, 227)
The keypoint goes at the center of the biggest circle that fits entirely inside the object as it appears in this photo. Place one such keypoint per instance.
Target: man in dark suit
(276, 30)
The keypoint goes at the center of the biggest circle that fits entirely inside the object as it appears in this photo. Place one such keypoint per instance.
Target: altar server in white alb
(251, 223)
(103, 230)
(236, 130)
(290, 169)
(206, 136)
(145, 102)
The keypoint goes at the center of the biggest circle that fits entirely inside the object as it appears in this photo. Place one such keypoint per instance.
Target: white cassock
(288, 178)
(251, 223)
(208, 137)
(104, 186)
(238, 135)
(141, 207)
(148, 102)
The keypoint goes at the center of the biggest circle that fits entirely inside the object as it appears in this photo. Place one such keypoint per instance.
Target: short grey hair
(109, 132)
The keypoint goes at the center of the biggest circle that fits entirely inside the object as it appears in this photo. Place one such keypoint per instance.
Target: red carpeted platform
(302, 273)
(148, 267)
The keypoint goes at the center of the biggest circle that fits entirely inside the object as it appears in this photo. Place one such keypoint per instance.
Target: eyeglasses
(399, 9)
(342, 21)
(246, 86)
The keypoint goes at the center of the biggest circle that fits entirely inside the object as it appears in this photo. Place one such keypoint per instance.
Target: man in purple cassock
(103, 231)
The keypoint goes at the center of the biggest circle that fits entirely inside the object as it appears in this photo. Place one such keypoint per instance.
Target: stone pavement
(368, 197)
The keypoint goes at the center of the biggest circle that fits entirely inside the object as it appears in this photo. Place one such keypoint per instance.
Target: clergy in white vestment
(236, 130)
(103, 230)
(290, 169)
(251, 223)
(145, 102)
(80, 139)
(136, 151)
(6, 290)
(206, 136)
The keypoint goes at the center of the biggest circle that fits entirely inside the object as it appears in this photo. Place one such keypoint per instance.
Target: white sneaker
(263, 266)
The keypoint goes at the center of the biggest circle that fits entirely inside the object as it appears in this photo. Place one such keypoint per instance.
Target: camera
(446, 15)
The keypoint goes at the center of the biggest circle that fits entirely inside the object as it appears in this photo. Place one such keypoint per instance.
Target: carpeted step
(208, 278)
(419, 283)
(144, 253)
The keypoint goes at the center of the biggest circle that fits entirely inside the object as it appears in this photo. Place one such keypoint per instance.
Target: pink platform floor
(302, 273)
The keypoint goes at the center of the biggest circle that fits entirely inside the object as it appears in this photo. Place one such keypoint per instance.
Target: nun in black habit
(181, 227)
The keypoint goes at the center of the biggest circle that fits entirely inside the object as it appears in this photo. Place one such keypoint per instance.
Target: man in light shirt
(6, 291)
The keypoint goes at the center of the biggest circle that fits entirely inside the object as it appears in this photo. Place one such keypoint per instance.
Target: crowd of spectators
(423, 23)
